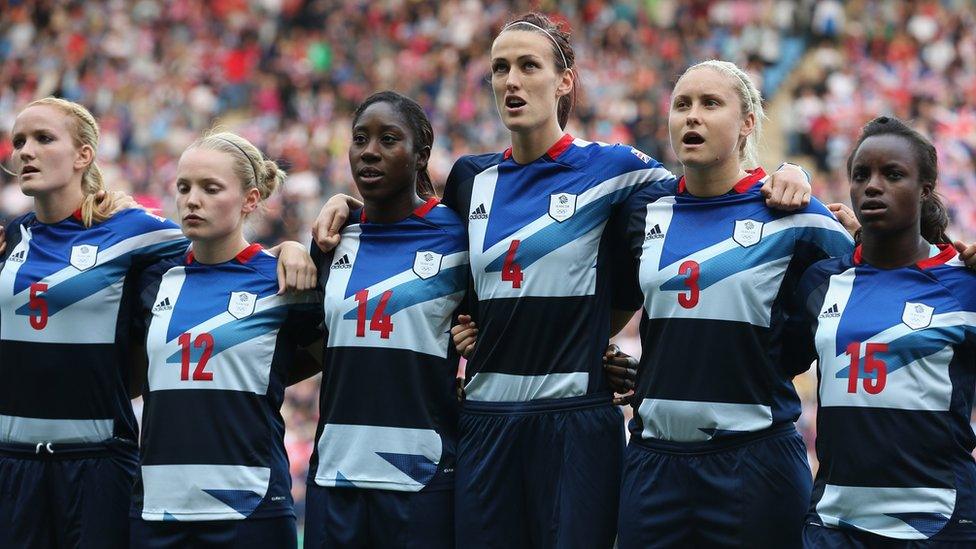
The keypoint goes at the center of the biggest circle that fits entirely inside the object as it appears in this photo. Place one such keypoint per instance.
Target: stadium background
(287, 74)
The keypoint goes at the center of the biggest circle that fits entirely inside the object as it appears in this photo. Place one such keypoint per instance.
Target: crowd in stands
(286, 74)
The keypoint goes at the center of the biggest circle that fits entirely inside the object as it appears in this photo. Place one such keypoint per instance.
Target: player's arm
(621, 370)
(139, 364)
(308, 362)
(325, 230)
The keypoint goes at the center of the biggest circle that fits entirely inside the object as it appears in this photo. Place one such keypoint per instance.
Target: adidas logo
(832, 312)
(19, 257)
(163, 305)
(343, 263)
(479, 213)
(655, 232)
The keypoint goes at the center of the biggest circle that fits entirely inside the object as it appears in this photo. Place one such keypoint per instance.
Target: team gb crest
(562, 206)
(241, 304)
(747, 232)
(917, 315)
(427, 264)
(83, 257)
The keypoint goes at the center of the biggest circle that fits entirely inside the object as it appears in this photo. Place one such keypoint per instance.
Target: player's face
(524, 80)
(885, 190)
(210, 198)
(706, 123)
(384, 164)
(45, 155)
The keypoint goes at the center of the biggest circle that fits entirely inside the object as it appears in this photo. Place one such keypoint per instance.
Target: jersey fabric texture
(388, 410)
(540, 261)
(66, 301)
(219, 342)
(715, 279)
(896, 353)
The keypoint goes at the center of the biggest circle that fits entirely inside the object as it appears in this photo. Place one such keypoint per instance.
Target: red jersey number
(875, 370)
(38, 304)
(512, 271)
(200, 373)
(380, 322)
(689, 299)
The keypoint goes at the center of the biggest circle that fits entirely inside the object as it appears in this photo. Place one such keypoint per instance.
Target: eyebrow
(523, 57)
(205, 180)
(384, 127)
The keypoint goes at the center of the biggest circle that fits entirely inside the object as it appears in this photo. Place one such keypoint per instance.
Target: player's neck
(713, 180)
(893, 250)
(528, 146)
(219, 250)
(392, 210)
(59, 204)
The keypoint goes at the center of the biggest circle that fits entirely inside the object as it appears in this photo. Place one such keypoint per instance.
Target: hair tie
(551, 37)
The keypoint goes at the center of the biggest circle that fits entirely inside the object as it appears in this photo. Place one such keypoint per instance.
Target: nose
(512, 80)
(193, 197)
(27, 150)
(694, 115)
(875, 185)
(370, 152)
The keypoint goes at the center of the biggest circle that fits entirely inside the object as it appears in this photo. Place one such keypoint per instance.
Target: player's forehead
(517, 42)
(41, 117)
(705, 81)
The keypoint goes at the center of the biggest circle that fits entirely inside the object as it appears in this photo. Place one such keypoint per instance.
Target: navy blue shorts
(66, 495)
(266, 533)
(822, 537)
(355, 517)
(754, 494)
(539, 474)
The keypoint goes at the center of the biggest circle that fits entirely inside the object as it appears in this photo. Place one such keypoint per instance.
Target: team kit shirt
(388, 406)
(715, 278)
(219, 342)
(67, 296)
(541, 264)
(897, 350)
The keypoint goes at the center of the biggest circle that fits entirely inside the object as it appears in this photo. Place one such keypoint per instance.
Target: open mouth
(692, 138)
(29, 169)
(369, 173)
(873, 207)
(514, 102)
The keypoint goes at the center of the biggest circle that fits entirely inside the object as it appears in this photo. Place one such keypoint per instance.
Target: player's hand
(967, 253)
(3, 240)
(296, 270)
(787, 189)
(325, 230)
(621, 370)
(465, 335)
(846, 216)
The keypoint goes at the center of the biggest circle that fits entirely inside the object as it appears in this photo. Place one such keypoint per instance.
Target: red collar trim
(740, 187)
(77, 214)
(558, 148)
(946, 252)
(420, 212)
(242, 257)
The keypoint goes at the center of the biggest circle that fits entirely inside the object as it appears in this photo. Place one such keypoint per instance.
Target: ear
(927, 189)
(84, 156)
(748, 125)
(423, 156)
(252, 197)
(566, 83)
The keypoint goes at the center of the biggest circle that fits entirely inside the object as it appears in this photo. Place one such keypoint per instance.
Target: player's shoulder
(468, 166)
(953, 274)
(446, 218)
(137, 221)
(618, 157)
(820, 272)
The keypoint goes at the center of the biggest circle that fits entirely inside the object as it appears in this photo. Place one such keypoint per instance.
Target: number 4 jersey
(897, 368)
(388, 417)
(219, 342)
(715, 276)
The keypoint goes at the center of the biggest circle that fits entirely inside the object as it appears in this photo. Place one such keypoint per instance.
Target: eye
(711, 102)
(530, 66)
(894, 175)
(212, 189)
(679, 104)
(859, 175)
(359, 139)
(499, 68)
(45, 138)
(18, 142)
(182, 188)
(389, 139)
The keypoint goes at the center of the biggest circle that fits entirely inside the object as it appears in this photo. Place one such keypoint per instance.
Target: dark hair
(415, 117)
(561, 49)
(934, 216)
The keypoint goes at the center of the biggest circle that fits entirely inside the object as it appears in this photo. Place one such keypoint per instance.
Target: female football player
(893, 329)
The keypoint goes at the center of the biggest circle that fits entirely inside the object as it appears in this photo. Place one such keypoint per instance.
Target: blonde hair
(751, 101)
(250, 166)
(84, 131)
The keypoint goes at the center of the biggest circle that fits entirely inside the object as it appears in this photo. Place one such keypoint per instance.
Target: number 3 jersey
(388, 406)
(897, 368)
(715, 277)
(219, 343)
(541, 263)
(67, 298)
